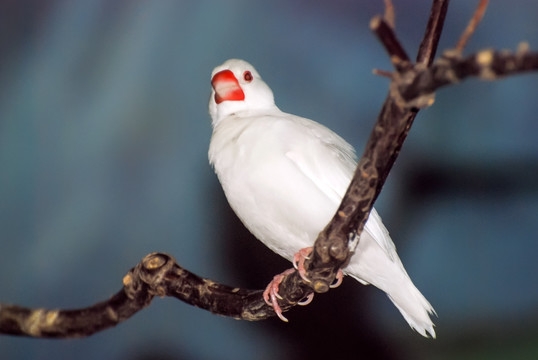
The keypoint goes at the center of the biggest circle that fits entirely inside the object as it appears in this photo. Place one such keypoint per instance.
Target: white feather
(284, 176)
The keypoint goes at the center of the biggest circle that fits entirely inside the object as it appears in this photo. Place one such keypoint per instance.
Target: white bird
(285, 176)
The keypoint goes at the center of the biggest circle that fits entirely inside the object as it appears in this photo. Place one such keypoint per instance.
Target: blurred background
(103, 158)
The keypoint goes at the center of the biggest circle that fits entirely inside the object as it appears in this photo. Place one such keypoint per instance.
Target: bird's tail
(414, 307)
(371, 264)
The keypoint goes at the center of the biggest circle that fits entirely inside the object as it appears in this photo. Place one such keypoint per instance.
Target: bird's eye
(247, 75)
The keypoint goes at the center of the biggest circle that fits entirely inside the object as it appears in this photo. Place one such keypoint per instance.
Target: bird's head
(237, 86)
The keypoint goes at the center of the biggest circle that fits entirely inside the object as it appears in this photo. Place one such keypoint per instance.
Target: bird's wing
(329, 162)
(323, 157)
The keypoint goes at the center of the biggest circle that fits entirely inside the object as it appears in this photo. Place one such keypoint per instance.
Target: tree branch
(473, 23)
(416, 86)
(156, 275)
(412, 87)
(428, 45)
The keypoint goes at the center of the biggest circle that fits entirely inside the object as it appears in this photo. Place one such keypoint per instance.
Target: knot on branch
(150, 273)
(331, 252)
(404, 92)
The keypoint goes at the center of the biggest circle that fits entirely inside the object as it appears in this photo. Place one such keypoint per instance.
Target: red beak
(226, 87)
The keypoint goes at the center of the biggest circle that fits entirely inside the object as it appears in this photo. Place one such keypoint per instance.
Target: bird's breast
(273, 198)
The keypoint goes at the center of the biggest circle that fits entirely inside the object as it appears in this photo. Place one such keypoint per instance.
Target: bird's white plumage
(284, 176)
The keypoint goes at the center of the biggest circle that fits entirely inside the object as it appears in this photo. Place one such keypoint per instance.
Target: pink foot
(271, 296)
(298, 263)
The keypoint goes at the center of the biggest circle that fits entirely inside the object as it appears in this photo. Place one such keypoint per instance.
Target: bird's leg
(298, 263)
(271, 296)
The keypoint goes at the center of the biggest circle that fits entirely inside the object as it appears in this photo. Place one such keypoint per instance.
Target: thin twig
(471, 27)
(390, 15)
(383, 73)
(399, 58)
(428, 45)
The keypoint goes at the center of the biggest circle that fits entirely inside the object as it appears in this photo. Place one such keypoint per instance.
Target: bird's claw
(307, 300)
(339, 279)
(271, 296)
(299, 259)
(298, 263)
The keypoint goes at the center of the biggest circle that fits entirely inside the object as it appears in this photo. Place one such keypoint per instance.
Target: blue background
(103, 158)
